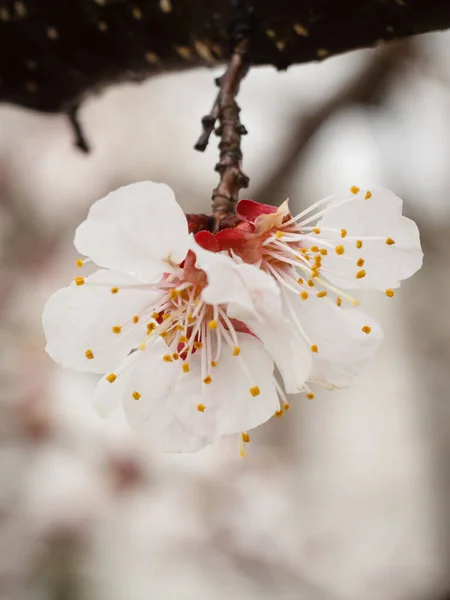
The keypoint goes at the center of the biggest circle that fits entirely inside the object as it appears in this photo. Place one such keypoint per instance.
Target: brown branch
(53, 52)
(365, 87)
(79, 138)
(230, 130)
(232, 178)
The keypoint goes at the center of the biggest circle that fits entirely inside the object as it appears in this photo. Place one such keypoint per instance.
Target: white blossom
(357, 241)
(185, 371)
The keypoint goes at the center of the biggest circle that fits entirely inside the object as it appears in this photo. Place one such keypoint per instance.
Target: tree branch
(52, 53)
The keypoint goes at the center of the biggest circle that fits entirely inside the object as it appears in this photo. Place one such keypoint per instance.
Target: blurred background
(343, 498)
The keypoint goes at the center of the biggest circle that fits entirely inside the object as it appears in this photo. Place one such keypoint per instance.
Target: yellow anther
(136, 395)
(323, 251)
(300, 281)
(185, 367)
(389, 293)
(314, 348)
(214, 363)
(368, 195)
(303, 250)
(245, 437)
(201, 407)
(89, 354)
(212, 324)
(354, 189)
(338, 301)
(310, 396)
(304, 295)
(390, 241)
(111, 377)
(255, 391)
(167, 358)
(278, 413)
(316, 230)
(207, 380)
(279, 234)
(142, 346)
(360, 262)
(236, 351)
(136, 319)
(79, 280)
(360, 274)
(308, 256)
(165, 316)
(359, 244)
(310, 283)
(174, 294)
(197, 345)
(366, 329)
(314, 249)
(79, 262)
(322, 294)
(340, 249)
(318, 260)
(150, 327)
(163, 334)
(190, 319)
(315, 272)
(286, 406)
(155, 315)
(116, 329)
(175, 356)
(180, 328)
(183, 339)
(114, 290)
(343, 233)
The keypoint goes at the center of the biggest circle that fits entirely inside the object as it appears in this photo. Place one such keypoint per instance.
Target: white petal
(267, 320)
(80, 318)
(289, 351)
(157, 416)
(225, 279)
(108, 395)
(343, 347)
(138, 229)
(385, 265)
(230, 407)
(166, 413)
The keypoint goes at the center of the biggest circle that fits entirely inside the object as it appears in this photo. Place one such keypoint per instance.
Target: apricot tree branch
(53, 53)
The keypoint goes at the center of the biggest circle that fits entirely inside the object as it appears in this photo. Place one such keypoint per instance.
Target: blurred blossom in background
(345, 497)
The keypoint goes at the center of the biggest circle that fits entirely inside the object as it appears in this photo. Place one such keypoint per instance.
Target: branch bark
(53, 53)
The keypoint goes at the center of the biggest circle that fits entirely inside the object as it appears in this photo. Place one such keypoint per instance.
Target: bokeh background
(345, 497)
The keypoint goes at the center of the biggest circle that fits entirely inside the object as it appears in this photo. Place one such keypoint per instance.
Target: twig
(230, 130)
(208, 122)
(80, 139)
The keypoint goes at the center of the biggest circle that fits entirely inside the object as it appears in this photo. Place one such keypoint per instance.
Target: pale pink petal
(138, 229)
(79, 319)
